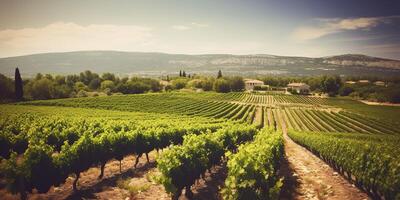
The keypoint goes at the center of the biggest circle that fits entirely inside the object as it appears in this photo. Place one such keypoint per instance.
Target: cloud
(190, 26)
(323, 26)
(199, 25)
(62, 36)
(180, 27)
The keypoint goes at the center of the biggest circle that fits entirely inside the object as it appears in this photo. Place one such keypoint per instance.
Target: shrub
(179, 83)
(82, 93)
(107, 84)
(222, 85)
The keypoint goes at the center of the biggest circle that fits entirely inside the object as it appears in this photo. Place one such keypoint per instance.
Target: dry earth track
(308, 177)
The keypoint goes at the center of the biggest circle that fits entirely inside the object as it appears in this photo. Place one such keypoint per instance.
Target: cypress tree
(184, 74)
(219, 74)
(18, 86)
(180, 73)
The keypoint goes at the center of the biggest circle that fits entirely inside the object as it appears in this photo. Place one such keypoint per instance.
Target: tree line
(351, 86)
(88, 83)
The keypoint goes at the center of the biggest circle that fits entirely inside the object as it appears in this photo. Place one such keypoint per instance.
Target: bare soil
(308, 177)
(205, 189)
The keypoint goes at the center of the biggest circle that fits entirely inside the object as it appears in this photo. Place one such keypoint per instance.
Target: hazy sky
(298, 27)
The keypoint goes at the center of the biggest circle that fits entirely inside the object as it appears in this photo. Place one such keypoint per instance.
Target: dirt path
(203, 189)
(308, 177)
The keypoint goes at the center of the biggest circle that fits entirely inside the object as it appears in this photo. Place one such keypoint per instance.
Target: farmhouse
(350, 82)
(250, 83)
(300, 88)
(379, 83)
(363, 81)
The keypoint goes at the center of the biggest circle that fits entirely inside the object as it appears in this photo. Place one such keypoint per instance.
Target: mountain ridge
(158, 63)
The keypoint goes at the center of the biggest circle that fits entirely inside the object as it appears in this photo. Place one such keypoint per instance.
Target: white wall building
(300, 88)
(379, 83)
(250, 83)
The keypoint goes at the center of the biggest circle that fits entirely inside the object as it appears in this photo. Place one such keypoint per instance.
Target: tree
(107, 84)
(219, 74)
(207, 84)
(87, 76)
(38, 76)
(70, 80)
(331, 85)
(60, 80)
(18, 86)
(79, 86)
(135, 88)
(179, 83)
(195, 83)
(94, 84)
(222, 85)
(48, 76)
(41, 89)
(184, 73)
(346, 91)
(108, 76)
(60, 91)
(6, 88)
(180, 73)
(237, 83)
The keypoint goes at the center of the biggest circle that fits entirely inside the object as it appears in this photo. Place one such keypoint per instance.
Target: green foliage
(27, 173)
(195, 83)
(252, 171)
(108, 77)
(219, 74)
(138, 86)
(95, 84)
(221, 85)
(389, 93)
(345, 91)
(179, 83)
(236, 83)
(82, 93)
(133, 88)
(18, 86)
(78, 86)
(38, 163)
(331, 85)
(82, 143)
(182, 165)
(207, 84)
(87, 76)
(54, 87)
(107, 84)
(41, 89)
(6, 88)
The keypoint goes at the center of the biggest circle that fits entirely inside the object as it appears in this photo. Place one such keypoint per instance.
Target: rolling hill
(156, 64)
